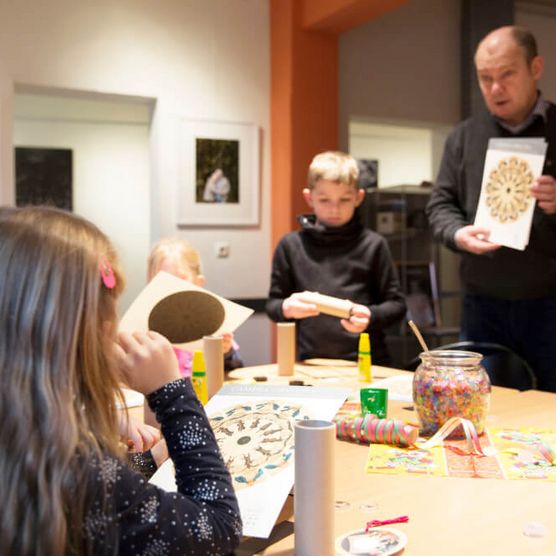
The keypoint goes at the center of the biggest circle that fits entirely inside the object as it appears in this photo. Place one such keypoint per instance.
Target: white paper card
(243, 416)
(505, 203)
(400, 387)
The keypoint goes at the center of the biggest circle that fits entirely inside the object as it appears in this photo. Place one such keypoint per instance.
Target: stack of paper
(505, 204)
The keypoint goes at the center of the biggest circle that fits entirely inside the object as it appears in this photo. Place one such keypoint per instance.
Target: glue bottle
(199, 377)
(364, 358)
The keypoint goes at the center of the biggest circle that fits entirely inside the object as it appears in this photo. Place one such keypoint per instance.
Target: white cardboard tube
(329, 305)
(214, 362)
(286, 348)
(314, 488)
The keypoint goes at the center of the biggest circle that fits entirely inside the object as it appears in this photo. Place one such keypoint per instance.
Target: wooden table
(447, 516)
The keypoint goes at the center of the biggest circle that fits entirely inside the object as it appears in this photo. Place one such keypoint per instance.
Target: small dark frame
(43, 176)
(368, 173)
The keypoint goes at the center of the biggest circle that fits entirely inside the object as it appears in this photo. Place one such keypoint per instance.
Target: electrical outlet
(222, 249)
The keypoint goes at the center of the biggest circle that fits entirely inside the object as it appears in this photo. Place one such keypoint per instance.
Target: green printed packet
(374, 401)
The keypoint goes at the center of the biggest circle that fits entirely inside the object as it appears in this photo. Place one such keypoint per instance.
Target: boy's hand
(294, 308)
(138, 436)
(147, 360)
(359, 319)
(227, 342)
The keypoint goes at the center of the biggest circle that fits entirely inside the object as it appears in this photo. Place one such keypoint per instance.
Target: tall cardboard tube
(314, 488)
(286, 348)
(214, 362)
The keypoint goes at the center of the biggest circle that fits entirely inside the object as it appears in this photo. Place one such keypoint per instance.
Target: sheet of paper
(253, 425)
(215, 314)
(400, 387)
(505, 203)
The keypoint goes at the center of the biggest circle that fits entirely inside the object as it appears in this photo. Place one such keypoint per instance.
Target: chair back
(504, 367)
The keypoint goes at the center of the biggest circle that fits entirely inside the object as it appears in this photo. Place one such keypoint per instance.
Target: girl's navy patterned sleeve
(203, 517)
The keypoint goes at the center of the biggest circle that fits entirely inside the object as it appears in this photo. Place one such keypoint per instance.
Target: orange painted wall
(304, 103)
(337, 16)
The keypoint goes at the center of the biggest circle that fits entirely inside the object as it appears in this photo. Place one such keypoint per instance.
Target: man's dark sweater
(349, 262)
(505, 273)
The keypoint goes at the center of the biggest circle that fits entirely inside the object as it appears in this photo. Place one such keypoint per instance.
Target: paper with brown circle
(182, 312)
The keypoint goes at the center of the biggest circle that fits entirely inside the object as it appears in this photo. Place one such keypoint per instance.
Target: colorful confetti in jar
(450, 384)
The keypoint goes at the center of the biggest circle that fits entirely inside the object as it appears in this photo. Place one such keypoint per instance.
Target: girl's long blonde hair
(180, 251)
(58, 382)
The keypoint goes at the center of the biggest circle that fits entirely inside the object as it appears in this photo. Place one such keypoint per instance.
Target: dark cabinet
(424, 268)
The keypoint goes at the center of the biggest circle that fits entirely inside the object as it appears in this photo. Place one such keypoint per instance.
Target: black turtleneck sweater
(505, 273)
(349, 262)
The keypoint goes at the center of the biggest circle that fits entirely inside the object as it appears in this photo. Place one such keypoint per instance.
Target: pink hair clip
(106, 273)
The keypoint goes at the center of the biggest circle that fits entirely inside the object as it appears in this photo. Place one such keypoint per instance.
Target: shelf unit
(398, 213)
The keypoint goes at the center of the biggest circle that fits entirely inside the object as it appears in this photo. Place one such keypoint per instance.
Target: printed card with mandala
(505, 204)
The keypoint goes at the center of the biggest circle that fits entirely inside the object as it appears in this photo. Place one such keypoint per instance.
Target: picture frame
(219, 179)
(44, 176)
(368, 173)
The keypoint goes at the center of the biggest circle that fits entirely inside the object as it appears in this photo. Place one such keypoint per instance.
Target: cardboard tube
(329, 305)
(314, 488)
(214, 362)
(286, 348)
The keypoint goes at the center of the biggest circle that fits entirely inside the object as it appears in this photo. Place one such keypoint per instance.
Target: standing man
(509, 295)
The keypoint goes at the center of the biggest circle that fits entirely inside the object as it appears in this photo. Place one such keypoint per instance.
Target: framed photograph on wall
(43, 176)
(219, 174)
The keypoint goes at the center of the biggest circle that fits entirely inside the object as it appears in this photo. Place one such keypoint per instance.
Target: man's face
(333, 203)
(507, 81)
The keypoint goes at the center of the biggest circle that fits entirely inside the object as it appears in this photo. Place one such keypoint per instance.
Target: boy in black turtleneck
(333, 254)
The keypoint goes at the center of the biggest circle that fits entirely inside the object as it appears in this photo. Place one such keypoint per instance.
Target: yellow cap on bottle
(198, 365)
(364, 343)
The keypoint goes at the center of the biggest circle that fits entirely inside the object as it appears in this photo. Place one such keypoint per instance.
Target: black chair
(504, 367)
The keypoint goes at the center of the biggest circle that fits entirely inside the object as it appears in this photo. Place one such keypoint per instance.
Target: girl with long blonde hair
(64, 484)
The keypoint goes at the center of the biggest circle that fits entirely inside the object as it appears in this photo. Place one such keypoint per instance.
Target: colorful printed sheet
(515, 455)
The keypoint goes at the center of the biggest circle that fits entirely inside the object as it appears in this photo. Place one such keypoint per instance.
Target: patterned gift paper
(515, 455)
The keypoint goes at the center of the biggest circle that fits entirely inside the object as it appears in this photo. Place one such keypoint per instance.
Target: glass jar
(450, 384)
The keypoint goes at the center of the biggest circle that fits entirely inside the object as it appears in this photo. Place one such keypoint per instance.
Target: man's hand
(358, 320)
(544, 191)
(474, 239)
(294, 308)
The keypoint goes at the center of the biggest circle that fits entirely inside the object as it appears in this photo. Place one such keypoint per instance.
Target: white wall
(404, 153)
(110, 159)
(402, 66)
(205, 59)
